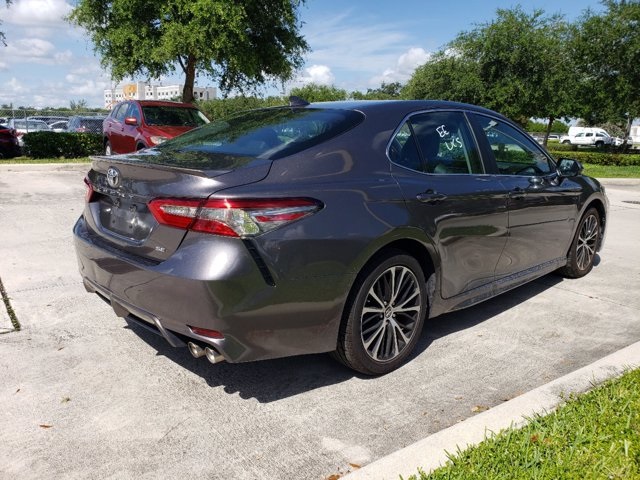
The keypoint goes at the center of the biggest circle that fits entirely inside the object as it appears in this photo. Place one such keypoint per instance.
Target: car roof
(406, 105)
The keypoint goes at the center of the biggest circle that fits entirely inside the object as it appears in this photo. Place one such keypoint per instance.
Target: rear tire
(384, 315)
(582, 252)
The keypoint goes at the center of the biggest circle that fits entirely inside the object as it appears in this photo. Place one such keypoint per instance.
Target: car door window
(436, 142)
(121, 112)
(515, 153)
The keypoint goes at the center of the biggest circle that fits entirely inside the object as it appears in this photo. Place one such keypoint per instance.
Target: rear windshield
(173, 116)
(265, 134)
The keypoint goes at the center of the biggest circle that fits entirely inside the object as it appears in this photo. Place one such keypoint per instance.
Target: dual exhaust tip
(197, 351)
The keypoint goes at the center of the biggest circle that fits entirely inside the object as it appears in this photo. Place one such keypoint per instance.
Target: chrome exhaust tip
(213, 356)
(196, 350)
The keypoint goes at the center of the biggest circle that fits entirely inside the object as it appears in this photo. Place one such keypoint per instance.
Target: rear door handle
(431, 197)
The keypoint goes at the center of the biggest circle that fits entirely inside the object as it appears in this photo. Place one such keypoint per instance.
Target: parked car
(26, 126)
(587, 136)
(330, 227)
(85, 124)
(59, 126)
(48, 119)
(9, 144)
(138, 124)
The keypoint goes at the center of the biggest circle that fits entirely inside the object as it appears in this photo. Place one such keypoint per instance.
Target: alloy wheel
(390, 314)
(587, 242)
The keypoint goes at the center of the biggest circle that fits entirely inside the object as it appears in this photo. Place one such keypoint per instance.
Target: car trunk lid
(121, 187)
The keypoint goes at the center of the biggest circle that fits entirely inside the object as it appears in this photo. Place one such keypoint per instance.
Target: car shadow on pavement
(272, 380)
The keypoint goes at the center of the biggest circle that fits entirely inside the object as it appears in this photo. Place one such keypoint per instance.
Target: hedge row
(67, 145)
(599, 158)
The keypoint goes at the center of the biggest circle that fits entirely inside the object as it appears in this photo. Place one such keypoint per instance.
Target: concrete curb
(430, 453)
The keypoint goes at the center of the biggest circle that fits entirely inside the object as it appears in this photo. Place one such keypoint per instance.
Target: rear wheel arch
(407, 247)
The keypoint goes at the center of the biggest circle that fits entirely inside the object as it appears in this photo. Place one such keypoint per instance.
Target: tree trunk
(627, 132)
(546, 134)
(189, 80)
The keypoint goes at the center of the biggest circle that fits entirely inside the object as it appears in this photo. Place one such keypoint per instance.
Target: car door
(115, 128)
(542, 206)
(130, 132)
(436, 162)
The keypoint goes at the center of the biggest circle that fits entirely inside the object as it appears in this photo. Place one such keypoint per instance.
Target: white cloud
(36, 50)
(38, 13)
(318, 74)
(3, 67)
(404, 68)
(15, 86)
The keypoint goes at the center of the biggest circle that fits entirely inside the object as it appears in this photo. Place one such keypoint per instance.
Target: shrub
(599, 158)
(67, 145)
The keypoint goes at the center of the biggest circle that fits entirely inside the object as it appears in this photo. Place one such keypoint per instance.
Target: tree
(386, 91)
(313, 92)
(78, 106)
(2, 37)
(608, 45)
(239, 44)
(516, 64)
(447, 76)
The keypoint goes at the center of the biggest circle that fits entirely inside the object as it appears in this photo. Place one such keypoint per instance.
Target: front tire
(107, 148)
(384, 316)
(582, 252)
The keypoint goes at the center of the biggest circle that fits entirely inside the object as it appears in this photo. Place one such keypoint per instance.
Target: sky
(354, 45)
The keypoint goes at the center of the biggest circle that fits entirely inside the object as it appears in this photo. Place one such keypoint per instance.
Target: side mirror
(568, 167)
(133, 121)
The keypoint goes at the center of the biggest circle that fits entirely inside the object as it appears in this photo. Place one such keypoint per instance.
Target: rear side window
(268, 133)
(436, 142)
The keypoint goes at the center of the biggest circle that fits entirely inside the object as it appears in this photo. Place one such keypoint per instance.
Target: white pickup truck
(587, 136)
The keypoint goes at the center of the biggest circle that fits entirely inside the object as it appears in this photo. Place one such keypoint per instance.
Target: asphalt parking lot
(83, 395)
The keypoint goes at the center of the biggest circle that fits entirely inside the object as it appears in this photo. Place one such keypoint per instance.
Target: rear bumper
(215, 285)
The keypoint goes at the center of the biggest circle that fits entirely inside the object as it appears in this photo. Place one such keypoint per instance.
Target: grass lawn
(610, 171)
(593, 436)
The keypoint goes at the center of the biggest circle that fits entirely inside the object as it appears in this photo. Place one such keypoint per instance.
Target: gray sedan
(330, 227)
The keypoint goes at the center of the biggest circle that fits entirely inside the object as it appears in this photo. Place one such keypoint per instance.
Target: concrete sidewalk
(431, 452)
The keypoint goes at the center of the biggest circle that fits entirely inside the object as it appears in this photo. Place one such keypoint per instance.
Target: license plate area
(126, 218)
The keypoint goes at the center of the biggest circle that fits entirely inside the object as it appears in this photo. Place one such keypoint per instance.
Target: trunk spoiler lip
(127, 159)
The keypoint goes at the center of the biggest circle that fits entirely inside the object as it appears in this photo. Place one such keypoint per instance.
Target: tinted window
(173, 116)
(436, 142)
(514, 152)
(268, 133)
(134, 112)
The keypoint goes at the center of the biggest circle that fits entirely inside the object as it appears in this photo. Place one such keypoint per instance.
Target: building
(145, 91)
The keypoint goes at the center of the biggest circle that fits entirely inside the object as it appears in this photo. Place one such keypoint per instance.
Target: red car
(9, 145)
(137, 124)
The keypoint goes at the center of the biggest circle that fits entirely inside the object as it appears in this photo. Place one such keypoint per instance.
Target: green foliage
(608, 46)
(319, 93)
(556, 127)
(67, 145)
(386, 91)
(225, 107)
(599, 158)
(239, 44)
(446, 77)
(517, 64)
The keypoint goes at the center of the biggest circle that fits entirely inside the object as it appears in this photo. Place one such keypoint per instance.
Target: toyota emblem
(113, 177)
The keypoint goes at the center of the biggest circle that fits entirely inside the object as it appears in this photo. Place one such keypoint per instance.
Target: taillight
(88, 194)
(232, 218)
